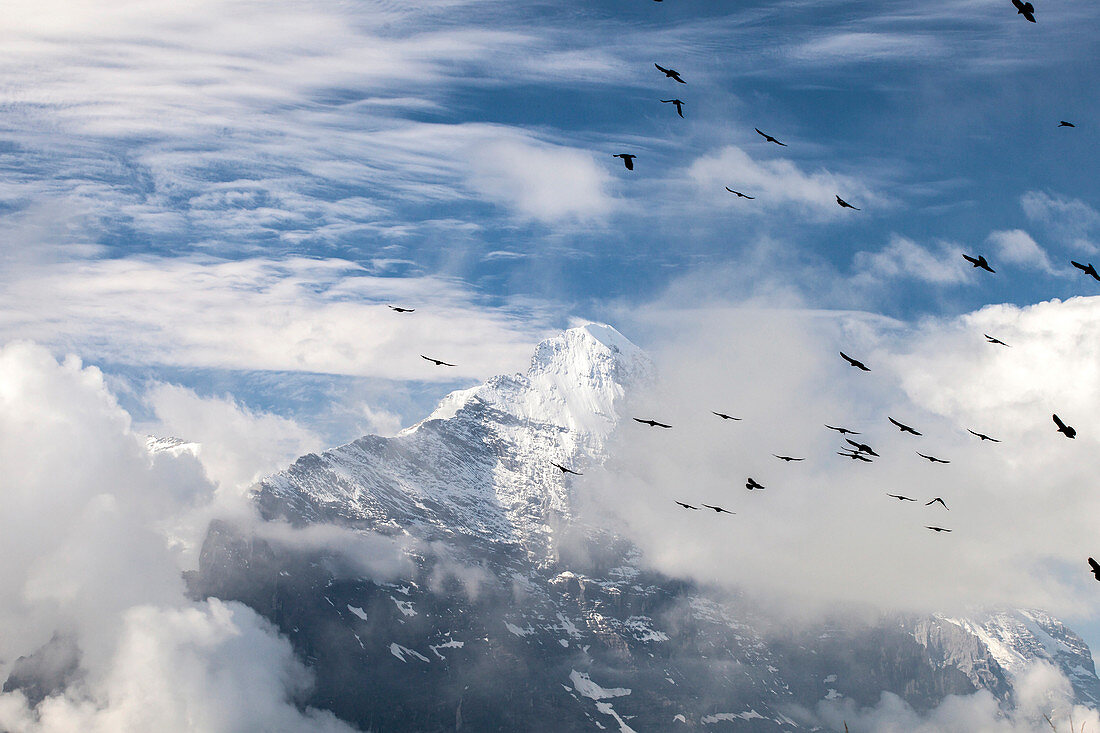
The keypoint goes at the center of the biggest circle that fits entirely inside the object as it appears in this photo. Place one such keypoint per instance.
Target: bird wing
(1078, 265)
(661, 424)
(663, 69)
(1095, 565)
(1057, 421)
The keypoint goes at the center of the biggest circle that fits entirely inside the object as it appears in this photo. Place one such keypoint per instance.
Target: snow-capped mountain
(501, 626)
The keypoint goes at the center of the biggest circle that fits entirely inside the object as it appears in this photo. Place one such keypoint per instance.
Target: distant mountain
(518, 617)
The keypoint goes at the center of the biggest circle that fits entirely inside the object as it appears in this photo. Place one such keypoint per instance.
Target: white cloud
(904, 258)
(779, 182)
(1017, 246)
(90, 550)
(847, 47)
(237, 446)
(324, 316)
(1071, 220)
(824, 531)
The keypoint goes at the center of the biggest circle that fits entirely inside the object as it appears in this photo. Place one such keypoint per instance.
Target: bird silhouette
(437, 362)
(752, 483)
(937, 529)
(670, 73)
(651, 423)
(931, 459)
(401, 310)
(854, 455)
(939, 500)
(992, 340)
(718, 509)
(1095, 568)
(724, 416)
(979, 261)
(628, 159)
(842, 431)
(854, 362)
(679, 105)
(1087, 269)
(563, 469)
(686, 506)
(862, 448)
(1064, 429)
(768, 137)
(903, 428)
(788, 459)
(1063, 123)
(1025, 9)
(739, 194)
(845, 205)
(982, 436)
(899, 497)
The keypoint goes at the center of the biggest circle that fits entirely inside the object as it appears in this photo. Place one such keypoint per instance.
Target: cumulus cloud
(1017, 247)
(779, 182)
(91, 560)
(297, 315)
(824, 531)
(904, 258)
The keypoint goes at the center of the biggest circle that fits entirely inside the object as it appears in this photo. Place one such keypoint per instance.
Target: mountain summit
(508, 615)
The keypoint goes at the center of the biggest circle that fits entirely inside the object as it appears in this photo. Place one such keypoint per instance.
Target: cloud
(1017, 247)
(1041, 690)
(93, 538)
(1071, 220)
(778, 183)
(237, 446)
(904, 258)
(847, 47)
(295, 315)
(542, 182)
(824, 531)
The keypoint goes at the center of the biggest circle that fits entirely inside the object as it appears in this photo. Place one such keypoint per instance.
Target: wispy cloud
(1017, 247)
(904, 258)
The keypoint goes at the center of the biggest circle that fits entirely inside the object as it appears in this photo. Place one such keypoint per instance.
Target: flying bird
(437, 362)
(842, 431)
(651, 423)
(401, 310)
(992, 340)
(718, 509)
(628, 159)
(1095, 568)
(1025, 9)
(937, 529)
(1064, 429)
(982, 436)
(686, 506)
(979, 261)
(931, 459)
(903, 428)
(738, 194)
(854, 362)
(845, 205)
(937, 499)
(1063, 123)
(768, 137)
(854, 455)
(753, 484)
(899, 497)
(563, 469)
(724, 416)
(670, 73)
(1087, 269)
(862, 448)
(788, 459)
(679, 105)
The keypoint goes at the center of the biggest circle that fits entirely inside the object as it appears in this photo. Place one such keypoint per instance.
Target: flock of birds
(853, 449)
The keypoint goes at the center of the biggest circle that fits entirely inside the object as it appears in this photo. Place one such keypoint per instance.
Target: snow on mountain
(480, 464)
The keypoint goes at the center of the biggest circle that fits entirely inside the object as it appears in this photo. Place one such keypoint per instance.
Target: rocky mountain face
(514, 616)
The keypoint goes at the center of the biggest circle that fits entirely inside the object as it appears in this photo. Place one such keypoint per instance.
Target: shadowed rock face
(514, 617)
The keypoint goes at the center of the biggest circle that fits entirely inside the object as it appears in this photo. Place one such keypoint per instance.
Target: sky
(210, 204)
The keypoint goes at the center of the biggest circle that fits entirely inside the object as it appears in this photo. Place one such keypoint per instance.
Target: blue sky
(224, 195)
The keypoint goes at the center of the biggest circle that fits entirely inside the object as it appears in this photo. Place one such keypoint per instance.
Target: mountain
(514, 615)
